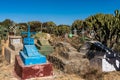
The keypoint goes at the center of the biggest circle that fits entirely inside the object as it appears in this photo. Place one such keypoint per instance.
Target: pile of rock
(68, 59)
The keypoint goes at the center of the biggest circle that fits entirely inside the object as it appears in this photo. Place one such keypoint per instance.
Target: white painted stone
(16, 41)
(117, 63)
(107, 67)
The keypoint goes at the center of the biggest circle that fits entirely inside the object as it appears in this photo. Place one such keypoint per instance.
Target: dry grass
(7, 73)
(115, 75)
(93, 73)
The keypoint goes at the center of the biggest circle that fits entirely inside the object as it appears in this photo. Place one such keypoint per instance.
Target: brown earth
(112, 76)
(7, 73)
(7, 70)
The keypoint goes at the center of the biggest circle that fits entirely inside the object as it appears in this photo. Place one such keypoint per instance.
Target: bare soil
(7, 73)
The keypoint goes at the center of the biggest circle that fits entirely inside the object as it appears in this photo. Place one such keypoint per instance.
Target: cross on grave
(30, 63)
(82, 32)
(75, 31)
(13, 28)
(28, 40)
(92, 34)
(30, 54)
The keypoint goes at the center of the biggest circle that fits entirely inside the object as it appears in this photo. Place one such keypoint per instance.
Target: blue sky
(58, 11)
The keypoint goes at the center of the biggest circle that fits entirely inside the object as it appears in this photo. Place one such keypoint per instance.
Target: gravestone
(106, 64)
(44, 47)
(14, 42)
(30, 63)
(68, 59)
(13, 48)
(105, 58)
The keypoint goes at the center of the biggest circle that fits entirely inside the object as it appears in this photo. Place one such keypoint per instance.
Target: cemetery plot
(15, 45)
(44, 47)
(67, 59)
(14, 41)
(30, 63)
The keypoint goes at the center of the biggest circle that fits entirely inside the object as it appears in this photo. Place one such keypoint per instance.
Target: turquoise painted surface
(30, 54)
(32, 60)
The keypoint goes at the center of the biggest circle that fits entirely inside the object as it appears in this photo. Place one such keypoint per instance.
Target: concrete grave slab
(32, 71)
(43, 42)
(15, 45)
(10, 54)
(14, 41)
(44, 47)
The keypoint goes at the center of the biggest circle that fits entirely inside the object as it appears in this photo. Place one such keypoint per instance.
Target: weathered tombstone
(15, 45)
(14, 41)
(44, 47)
(43, 42)
(68, 59)
(106, 64)
(105, 58)
(30, 63)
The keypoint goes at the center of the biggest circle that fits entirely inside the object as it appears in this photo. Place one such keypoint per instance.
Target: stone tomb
(15, 45)
(31, 56)
(30, 63)
(106, 64)
(44, 47)
(104, 58)
(32, 71)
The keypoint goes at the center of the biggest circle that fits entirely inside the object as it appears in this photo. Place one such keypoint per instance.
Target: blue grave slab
(31, 50)
(31, 56)
(32, 60)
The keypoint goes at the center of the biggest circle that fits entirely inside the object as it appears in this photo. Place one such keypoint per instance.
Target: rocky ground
(7, 73)
(112, 76)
